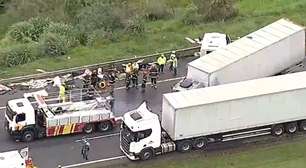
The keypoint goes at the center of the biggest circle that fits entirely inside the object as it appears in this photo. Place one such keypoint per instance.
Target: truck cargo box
(235, 106)
(263, 53)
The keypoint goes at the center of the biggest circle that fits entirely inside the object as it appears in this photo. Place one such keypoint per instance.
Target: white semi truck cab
(141, 136)
(12, 159)
(211, 42)
(16, 159)
(194, 119)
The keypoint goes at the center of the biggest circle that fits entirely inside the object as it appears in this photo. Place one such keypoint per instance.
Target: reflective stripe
(67, 129)
(61, 130)
(72, 128)
(55, 131)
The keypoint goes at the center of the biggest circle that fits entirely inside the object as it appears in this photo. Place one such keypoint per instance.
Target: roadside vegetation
(51, 35)
(287, 155)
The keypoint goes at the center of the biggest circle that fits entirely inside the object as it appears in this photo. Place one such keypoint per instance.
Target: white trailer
(265, 52)
(196, 118)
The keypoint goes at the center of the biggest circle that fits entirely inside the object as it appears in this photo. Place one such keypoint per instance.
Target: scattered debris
(32, 84)
(41, 70)
(4, 89)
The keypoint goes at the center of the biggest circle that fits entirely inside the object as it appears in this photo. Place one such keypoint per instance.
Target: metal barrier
(148, 58)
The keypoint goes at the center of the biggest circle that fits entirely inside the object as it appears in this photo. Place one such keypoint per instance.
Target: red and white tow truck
(26, 120)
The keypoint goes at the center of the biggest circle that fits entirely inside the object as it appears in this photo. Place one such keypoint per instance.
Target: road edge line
(95, 161)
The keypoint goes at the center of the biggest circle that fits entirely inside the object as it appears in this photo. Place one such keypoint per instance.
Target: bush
(20, 32)
(3, 4)
(220, 10)
(21, 54)
(39, 26)
(28, 31)
(155, 10)
(135, 25)
(99, 16)
(3, 54)
(191, 15)
(99, 37)
(66, 31)
(72, 7)
(216, 10)
(53, 45)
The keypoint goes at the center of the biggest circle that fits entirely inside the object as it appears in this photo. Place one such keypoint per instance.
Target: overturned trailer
(265, 52)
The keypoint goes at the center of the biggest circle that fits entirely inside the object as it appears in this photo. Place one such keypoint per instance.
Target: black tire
(28, 136)
(88, 128)
(277, 130)
(184, 146)
(104, 126)
(146, 154)
(200, 143)
(302, 125)
(291, 128)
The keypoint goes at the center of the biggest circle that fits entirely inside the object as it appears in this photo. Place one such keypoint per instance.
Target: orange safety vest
(29, 163)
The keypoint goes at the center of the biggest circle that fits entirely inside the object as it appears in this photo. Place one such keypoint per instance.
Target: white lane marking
(94, 161)
(119, 88)
(98, 137)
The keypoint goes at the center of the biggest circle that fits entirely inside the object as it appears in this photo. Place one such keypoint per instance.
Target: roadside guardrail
(185, 52)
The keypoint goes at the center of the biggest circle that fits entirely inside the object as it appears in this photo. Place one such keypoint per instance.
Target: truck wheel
(303, 125)
(277, 130)
(200, 143)
(146, 154)
(104, 126)
(184, 146)
(291, 128)
(28, 136)
(88, 128)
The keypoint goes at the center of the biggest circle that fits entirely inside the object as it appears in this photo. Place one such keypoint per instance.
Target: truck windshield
(10, 113)
(135, 136)
(127, 133)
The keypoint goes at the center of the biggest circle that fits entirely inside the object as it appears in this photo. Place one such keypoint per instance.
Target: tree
(216, 10)
(3, 3)
(26, 9)
(97, 17)
(72, 7)
(221, 10)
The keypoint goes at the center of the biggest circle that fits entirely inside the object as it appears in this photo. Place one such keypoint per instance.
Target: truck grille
(125, 142)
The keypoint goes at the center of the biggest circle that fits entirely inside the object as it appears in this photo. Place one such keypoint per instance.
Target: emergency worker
(173, 63)
(161, 61)
(111, 82)
(62, 96)
(135, 70)
(153, 73)
(128, 73)
(85, 148)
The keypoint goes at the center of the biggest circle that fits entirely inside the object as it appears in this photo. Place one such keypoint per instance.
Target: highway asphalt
(64, 150)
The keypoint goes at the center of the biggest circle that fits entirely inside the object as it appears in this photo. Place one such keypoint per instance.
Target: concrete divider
(185, 52)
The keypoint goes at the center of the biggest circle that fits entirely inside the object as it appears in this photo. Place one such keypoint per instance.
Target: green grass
(289, 155)
(169, 34)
